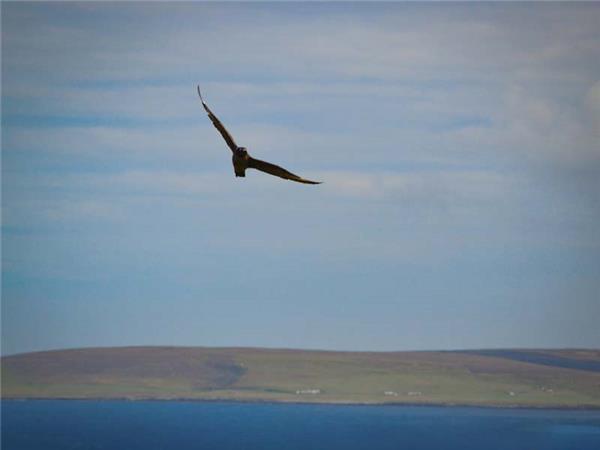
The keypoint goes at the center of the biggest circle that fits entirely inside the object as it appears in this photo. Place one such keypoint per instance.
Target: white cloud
(433, 106)
(156, 103)
(398, 78)
(403, 41)
(114, 144)
(431, 186)
(592, 101)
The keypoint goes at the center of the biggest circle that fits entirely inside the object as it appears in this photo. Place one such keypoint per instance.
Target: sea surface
(147, 425)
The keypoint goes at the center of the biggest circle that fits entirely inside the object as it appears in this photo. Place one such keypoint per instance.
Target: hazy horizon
(293, 349)
(461, 200)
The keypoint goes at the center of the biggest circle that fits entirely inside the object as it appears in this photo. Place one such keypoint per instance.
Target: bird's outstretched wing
(218, 125)
(277, 171)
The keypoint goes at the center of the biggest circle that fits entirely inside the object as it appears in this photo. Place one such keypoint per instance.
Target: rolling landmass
(510, 378)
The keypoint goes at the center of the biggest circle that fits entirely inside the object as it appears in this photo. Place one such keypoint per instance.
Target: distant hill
(539, 378)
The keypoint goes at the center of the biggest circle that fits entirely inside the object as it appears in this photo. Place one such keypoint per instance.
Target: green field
(466, 378)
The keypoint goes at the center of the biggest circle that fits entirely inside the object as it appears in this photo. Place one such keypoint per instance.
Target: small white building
(308, 391)
(414, 393)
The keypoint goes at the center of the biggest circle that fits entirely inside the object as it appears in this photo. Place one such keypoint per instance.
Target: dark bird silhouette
(242, 160)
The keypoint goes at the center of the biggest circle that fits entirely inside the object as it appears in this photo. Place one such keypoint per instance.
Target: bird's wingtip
(199, 93)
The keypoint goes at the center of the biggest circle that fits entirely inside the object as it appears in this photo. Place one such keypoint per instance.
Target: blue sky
(458, 144)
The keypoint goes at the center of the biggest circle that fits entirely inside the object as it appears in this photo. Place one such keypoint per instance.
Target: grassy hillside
(474, 378)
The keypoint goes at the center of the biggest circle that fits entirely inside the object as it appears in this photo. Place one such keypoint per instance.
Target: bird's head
(242, 151)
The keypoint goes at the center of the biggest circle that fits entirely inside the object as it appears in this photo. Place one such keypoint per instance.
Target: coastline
(490, 406)
(436, 379)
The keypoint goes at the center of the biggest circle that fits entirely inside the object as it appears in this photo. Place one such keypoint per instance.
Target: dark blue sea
(53, 425)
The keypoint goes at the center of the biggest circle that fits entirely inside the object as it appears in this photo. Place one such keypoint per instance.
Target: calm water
(51, 425)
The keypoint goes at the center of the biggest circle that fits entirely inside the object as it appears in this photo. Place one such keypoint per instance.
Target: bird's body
(242, 160)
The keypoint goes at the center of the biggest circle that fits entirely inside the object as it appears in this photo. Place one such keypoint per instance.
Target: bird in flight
(242, 160)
